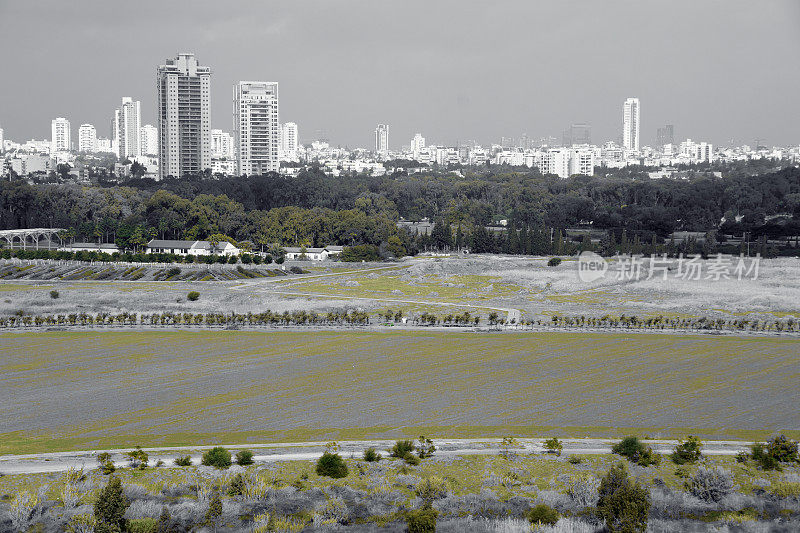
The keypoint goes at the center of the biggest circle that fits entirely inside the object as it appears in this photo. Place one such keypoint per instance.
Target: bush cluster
(687, 451)
(623, 504)
(331, 465)
(636, 452)
(218, 457)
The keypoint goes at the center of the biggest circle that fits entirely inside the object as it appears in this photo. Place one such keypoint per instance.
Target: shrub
(218, 457)
(172, 272)
(330, 513)
(710, 484)
(110, 507)
(687, 451)
(138, 458)
(371, 455)
(214, 510)
(331, 465)
(636, 452)
(431, 489)
(553, 446)
(583, 489)
(401, 448)
(296, 270)
(183, 460)
(54, 295)
(769, 456)
(574, 460)
(622, 504)
(542, 515)
(106, 464)
(244, 458)
(237, 485)
(554, 262)
(411, 459)
(193, 296)
(422, 520)
(425, 447)
(143, 525)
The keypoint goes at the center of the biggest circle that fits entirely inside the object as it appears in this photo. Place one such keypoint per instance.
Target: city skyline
(451, 102)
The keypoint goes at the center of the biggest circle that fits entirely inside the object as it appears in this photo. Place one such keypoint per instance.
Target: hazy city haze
(717, 69)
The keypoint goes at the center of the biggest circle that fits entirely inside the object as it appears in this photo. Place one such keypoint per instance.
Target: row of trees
(315, 209)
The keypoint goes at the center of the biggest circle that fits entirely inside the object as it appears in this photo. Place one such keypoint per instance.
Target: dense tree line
(316, 210)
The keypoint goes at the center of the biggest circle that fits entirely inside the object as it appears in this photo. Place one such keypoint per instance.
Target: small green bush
(574, 460)
(218, 457)
(237, 485)
(183, 460)
(624, 505)
(411, 459)
(244, 458)
(425, 447)
(54, 295)
(401, 448)
(371, 455)
(636, 452)
(193, 296)
(110, 507)
(687, 451)
(422, 520)
(554, 262)
(553, 446)
(542, 515)
(331, 465)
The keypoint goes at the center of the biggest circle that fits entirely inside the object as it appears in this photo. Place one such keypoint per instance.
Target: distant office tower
(221, 145)
(289, 142)
(630, 124)
(382, 139)
(104, 145)
(184, 117)
(255, 126)
(2, 141)
(128, 118)
(60, 140)
(148, 139)
(665, 135)
(417, 145)
(87, 138)
(577, 134)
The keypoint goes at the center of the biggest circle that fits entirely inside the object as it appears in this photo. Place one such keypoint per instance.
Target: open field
(512, 286)
(91, 390)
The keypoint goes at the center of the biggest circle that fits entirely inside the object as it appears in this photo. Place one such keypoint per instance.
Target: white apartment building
(382, 139)
(289, 141)
(417, 145)
(87, 138)
(630, 124)
(256, 127)
(148, 139)
(60, 139)
(221, 145)
(2, 142)
(104, 145)
(696, 152)
(184, 117)
(565, 162)
(128, 118)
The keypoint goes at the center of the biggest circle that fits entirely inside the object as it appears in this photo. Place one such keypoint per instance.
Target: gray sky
(453, 70)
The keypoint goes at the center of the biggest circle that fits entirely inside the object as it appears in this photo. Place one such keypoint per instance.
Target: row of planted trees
(267, 318)
(673, 323)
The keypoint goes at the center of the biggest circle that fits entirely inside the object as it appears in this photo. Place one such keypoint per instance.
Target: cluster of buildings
(184, 143)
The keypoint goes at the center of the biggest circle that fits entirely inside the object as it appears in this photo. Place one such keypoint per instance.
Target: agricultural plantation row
(79, 271)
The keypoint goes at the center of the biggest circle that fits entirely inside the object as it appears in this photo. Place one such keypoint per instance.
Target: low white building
(158, 246)
(312, 254)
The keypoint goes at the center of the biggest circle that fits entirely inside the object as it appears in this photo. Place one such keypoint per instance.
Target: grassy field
(64, 391)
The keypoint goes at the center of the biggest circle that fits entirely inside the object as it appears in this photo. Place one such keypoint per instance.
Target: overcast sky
(452, 70)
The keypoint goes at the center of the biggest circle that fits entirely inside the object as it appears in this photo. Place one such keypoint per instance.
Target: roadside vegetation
(521, 493)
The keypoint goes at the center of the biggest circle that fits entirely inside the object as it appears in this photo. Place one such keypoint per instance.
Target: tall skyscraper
(256, 127)
(577, 134)
(382, 139)
(289, 142)
(417, 145)
(87, 138)
(630, 124)
(221, 145)
(128, 122)
(60, 140)
(148, 139)
(184, 117)
(2, 142)
(665, 135)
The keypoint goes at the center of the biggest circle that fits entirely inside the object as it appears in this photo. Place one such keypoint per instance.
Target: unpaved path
(309, 451)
